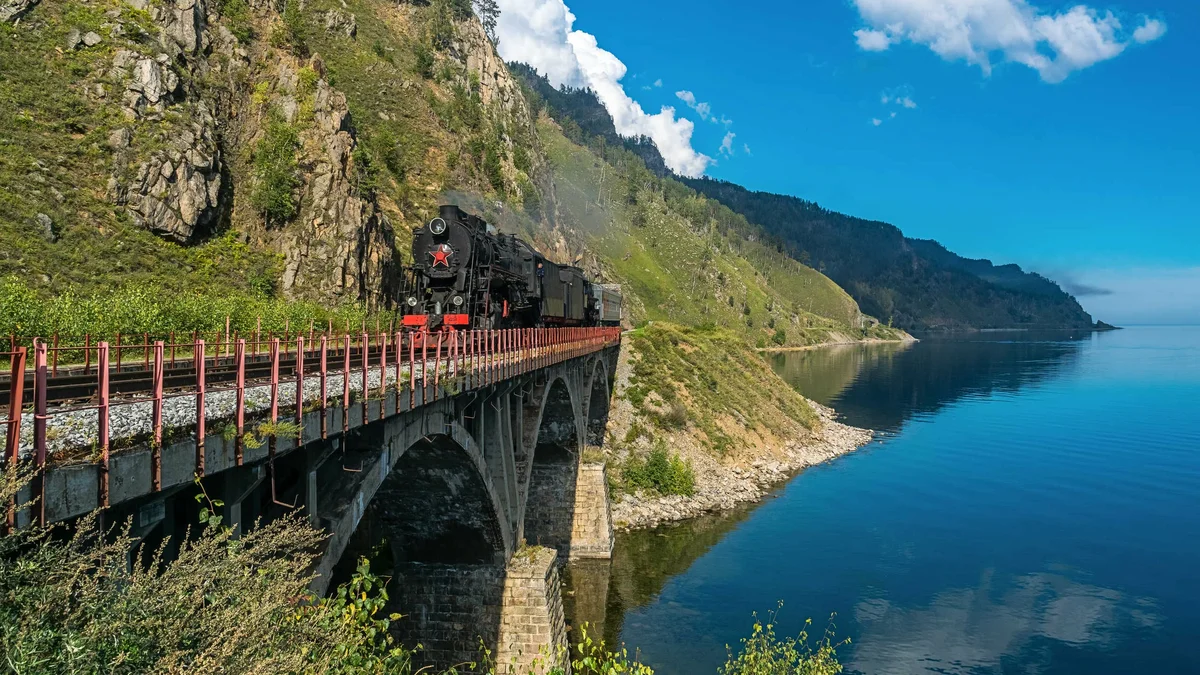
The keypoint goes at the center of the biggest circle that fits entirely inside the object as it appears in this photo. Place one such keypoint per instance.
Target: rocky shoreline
(720, 488)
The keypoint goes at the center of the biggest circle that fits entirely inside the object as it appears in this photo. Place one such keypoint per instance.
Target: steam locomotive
(466, 275)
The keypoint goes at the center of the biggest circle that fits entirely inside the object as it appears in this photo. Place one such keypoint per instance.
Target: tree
(488, 12)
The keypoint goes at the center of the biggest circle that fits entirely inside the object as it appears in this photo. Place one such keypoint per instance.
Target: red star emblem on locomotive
(441, 255)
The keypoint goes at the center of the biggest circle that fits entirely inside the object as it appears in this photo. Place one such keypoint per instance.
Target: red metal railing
(234, 364)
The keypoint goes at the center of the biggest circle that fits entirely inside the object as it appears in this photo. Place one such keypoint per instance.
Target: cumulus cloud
(980, 31)
(876, 121)
(540, 33)
(872, 40)
(703, 109)
(658, 82)
(1149, 31)
(746, 148)
(727, 144)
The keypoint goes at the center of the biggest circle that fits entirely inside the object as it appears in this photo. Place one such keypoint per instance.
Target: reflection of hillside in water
(880, 387)
(823, 373)
(643, 562)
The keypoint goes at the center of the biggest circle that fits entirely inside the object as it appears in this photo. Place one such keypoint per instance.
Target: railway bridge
(456, 459)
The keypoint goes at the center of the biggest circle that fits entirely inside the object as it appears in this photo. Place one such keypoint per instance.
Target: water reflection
(881, 386)
(600, 593)
(976, 629)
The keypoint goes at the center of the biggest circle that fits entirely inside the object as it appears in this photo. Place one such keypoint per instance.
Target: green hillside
(917, 284)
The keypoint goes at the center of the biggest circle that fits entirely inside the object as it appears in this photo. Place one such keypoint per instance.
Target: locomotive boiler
(466, 274)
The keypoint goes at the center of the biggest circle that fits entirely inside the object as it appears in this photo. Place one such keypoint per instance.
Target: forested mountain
(583, 118)
(917, 284)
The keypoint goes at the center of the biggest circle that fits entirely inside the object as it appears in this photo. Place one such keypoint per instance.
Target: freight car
(466, 274)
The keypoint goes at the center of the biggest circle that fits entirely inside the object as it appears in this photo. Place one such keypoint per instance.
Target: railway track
(75, 386)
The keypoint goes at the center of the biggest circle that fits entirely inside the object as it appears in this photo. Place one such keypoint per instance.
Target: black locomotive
(466, 274)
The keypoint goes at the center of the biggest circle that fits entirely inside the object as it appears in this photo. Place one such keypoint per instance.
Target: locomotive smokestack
(451, 213)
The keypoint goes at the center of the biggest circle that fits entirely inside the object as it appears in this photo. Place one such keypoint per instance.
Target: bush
(275, 171)
(763, 653)
(780, 337)
(659, 472)
(676, 416)
(229, 605)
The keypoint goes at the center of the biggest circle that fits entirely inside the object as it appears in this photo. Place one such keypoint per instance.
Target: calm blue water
(1032, 505)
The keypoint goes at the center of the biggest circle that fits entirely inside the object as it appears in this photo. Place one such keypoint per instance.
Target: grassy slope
(676, 269)
(732, 400)
(54, 160)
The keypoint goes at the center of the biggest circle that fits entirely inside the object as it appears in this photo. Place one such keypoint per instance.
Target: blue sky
(1075, 153)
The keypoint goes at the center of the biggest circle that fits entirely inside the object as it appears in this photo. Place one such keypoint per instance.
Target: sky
(1059, 136)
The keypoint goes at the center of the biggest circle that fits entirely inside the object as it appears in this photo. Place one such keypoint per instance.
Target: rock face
(176, 191)
(11, 10)
(341, 246)
(341, 22)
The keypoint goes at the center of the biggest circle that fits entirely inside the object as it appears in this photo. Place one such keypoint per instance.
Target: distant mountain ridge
(916, 284)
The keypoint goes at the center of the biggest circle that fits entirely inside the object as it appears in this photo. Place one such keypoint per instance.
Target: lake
(1031, 504)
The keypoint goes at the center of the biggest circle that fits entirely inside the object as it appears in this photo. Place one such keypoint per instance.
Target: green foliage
(290, 34)
(725, 383)
(492, 167)
(764, 653)
(238, 19)
(137, 309)
(241, 605)
(659, 472)
(780, 337)
(424, 60)
(276, 171)
(594, 658)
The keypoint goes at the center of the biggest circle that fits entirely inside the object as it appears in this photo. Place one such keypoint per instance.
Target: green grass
(664, 245)
(724, 388)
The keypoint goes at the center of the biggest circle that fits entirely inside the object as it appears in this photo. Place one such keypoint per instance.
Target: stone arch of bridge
(597, 402)
(552, 466)
(438, 503)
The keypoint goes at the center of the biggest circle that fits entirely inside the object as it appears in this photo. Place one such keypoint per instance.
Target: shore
(721, 487)
(840, 343)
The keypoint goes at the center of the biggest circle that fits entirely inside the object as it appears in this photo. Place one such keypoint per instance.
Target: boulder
(337, 21)
(11, 10)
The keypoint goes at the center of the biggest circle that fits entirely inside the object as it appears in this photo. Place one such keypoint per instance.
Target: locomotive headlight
(457, 300)
(437, 226)
(412, 301)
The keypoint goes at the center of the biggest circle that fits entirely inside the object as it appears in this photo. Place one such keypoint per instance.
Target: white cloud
(746, 148)
(702, 108)
(893, 115)
(979, 31)
(872, 40)
(539, 32)
(727, 144)
(658, 82)
(899, 97)
(1149, 31)
(876, 121)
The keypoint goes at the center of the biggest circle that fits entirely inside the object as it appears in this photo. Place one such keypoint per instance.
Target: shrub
(676, 416)
(659, 472)
(780, 337)
(224, 605)
(275, 171)
(425, 60)
(764, 653)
